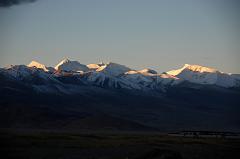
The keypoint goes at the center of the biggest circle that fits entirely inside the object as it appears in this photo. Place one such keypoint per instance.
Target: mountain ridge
(69, 75)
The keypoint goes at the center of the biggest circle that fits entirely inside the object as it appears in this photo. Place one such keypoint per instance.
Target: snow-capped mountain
(195, 68)
(149, 79)
(69, 75)
(29, 75)
(119, 76)
(41, 66)
(68, 65)
(205, 75)
(94, 66)
(148, 71)
(113, 69)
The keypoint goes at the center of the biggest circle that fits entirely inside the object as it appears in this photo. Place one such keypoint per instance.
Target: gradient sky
(158, 34)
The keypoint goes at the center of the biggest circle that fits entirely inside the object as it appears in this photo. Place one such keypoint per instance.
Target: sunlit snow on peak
(38, 65)
(195, 68)
(68, 65)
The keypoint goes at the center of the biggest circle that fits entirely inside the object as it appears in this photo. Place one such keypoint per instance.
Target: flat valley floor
(115, 145)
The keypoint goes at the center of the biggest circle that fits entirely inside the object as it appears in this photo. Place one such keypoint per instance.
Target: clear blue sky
(159, 34)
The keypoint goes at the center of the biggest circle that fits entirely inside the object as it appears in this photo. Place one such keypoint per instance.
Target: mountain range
(72, 95)
(63, 76)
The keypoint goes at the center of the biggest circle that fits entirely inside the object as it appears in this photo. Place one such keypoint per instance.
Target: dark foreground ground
(52, 145)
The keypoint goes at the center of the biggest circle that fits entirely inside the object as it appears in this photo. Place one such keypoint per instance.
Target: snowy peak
(40, 66)
(204, 75)
(23, 71)
(64, 61)
(194, 68)
(113, 69)
(68, 65)
(94, 66)
(198, 68)
(147, 71)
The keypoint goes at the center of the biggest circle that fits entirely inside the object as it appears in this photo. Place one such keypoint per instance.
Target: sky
(157, 34)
